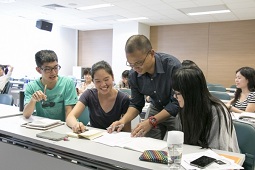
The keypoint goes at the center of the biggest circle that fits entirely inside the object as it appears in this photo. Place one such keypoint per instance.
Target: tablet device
(51, 135)
(202, 162)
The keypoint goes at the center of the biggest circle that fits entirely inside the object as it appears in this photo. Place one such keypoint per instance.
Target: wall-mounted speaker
(44, 25)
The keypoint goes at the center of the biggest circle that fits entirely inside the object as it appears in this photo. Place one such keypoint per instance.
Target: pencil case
(154, 156)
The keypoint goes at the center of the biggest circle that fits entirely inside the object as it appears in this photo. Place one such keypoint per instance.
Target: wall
(20, 40)
(219, 49)
(94, 46)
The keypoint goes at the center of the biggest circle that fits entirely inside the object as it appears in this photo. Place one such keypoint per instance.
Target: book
(42, 123)
(234, 158)
(89, 134)
(124, 140)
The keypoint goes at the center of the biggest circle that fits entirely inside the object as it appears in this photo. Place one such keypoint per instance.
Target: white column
(121, 32)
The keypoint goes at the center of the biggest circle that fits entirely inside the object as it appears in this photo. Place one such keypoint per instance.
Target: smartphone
(202, 162)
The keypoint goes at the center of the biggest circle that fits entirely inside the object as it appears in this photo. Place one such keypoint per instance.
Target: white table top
(86, 148)
(231, 89)
(129, 159)
(8, 111)
(16, 82)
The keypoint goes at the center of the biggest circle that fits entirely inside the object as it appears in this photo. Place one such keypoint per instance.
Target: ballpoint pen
(44, 92)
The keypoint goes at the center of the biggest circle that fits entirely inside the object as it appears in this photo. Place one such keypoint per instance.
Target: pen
(45, 87)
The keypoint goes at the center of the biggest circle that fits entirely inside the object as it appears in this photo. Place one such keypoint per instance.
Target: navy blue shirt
(158, 86)
(98, 117)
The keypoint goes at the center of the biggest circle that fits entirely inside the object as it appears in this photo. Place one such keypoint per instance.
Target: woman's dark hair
(188, 63)
(125, 74)
(249, 74)
(45, 56)
(101, 65)
(87, 71)
(197, 113)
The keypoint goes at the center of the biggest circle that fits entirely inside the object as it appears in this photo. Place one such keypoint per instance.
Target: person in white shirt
(88, 83)
(5, 74)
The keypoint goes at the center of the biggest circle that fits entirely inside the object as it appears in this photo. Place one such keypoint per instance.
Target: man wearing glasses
(151, 75)
(51, 95)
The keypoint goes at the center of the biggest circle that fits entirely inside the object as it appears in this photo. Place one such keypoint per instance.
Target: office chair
(245, 133)
(84, 117)
(6, 99)
(216, 88)
(233, 86)
(6, 88)
(220, 95)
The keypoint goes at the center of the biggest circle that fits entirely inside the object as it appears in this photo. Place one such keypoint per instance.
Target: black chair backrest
(6, 99)
(6, 88)
(245, 133)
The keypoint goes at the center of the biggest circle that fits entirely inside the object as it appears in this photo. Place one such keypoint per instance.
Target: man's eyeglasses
(49, 69)
(138, 63)
(48, 104)
(176, 94)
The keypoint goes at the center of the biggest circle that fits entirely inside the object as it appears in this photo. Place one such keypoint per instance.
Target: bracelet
(153, 121)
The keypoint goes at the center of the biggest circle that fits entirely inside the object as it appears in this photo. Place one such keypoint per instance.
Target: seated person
(88, 83)
(51, 95)
(244, 100)
(124, 82)
(105, 103)
(5, 74)
(204, 119)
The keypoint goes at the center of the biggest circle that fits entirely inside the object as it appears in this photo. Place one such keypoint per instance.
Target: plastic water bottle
(25, 85)
(175, 147)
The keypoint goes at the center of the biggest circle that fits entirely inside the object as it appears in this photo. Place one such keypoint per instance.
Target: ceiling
(158, 12)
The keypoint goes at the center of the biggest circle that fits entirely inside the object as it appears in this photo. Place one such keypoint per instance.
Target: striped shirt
(244, 104)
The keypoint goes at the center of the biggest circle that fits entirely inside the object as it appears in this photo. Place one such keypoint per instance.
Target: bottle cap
(175, 137)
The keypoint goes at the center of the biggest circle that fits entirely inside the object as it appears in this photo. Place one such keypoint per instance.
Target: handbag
(154, 156)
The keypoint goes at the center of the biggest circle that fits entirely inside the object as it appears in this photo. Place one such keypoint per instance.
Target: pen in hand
(44, 92)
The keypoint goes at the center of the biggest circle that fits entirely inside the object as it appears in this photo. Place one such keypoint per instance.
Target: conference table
(21, 149)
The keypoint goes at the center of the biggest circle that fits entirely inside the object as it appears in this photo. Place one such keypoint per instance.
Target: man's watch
(153, 121)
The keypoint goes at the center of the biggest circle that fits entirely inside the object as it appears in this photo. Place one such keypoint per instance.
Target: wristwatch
(153, 121)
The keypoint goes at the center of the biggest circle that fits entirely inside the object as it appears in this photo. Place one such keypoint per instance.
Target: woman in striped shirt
(244, 100)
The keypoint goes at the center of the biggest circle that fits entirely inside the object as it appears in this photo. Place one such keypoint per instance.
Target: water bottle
(175, 147)
(21, 101)
(25, 85)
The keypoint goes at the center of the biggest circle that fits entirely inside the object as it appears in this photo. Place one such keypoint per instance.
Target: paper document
(124, 140)
(229, 163)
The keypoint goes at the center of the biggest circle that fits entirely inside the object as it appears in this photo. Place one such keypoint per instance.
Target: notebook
(89, 134)
(41, 123)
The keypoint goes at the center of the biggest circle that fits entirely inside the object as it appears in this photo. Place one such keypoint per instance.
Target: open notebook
(89, 134)
(124, 140)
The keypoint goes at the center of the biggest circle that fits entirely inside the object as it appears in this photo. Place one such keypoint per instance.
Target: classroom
(82, 33)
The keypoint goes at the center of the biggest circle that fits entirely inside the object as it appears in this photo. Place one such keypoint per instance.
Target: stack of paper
(42, 123)
(124, 140)
(229, 163)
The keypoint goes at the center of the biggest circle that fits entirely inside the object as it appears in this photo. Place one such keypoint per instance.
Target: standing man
(151, 75)
(51, 95)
